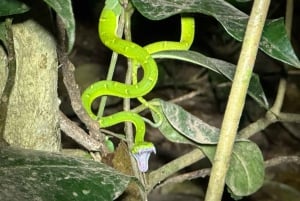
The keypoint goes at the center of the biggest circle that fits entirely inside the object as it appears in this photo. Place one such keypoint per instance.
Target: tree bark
(32, 116)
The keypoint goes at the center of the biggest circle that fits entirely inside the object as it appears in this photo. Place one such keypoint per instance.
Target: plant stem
(11, 77)
(174, 166)
(126, 107)
(289, 16)
(236, 100)
(128, 80)
(289, 11)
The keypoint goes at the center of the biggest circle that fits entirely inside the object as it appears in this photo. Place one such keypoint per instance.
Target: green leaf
(63, 8)
(255, 89)
(165, 127)
(274, 40)
(246, 171)
(189, 125)
(179, 125)
(12, 7)
(35, 175)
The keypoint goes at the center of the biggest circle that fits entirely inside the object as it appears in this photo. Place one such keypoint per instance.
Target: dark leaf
(255, 89)
(274, 40)
(35, 175)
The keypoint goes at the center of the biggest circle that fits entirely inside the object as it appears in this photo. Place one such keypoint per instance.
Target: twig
(206, 172)
(282, 159)
(170, 168)
(272, 116)
(289, 117)
(4, 101)
(187, 176)
(79, 135)
(289, 11)
(187, 96)
(128, 80)
(73, 89)
(276, 108)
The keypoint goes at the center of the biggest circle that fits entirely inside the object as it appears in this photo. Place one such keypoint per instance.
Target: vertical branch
(236, 99)
(4, 101)
(289, 11)
(128, 80)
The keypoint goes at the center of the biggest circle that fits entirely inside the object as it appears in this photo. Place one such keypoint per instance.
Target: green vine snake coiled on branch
(108, 23)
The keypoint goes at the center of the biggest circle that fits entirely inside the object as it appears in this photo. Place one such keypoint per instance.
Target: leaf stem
(236, 100)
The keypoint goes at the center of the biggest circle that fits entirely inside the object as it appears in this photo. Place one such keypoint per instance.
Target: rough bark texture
(32, 118)
(3, 70)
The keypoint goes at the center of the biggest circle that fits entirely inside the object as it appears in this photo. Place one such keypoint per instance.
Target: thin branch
(170, 168)
(282, 159)
(206, 172)
(289, 117)
(272, 116)
(289, 16)
(73, 89)
(187, 176)
(72, 130)
(258, 125)
(187, 96)
(128, 80)
(10, 82)
(276, 108)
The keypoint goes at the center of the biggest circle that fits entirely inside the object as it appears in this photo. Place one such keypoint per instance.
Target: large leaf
(63, 8)
(274, 40)
(34, 175)
(12, 7)
(180, 126)
(255, 89)
(165, 127)
(246, 171)
(189, 125)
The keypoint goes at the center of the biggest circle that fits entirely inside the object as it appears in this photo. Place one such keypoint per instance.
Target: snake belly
(107, 32)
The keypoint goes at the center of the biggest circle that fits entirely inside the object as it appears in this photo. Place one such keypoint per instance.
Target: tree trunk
(32, 116)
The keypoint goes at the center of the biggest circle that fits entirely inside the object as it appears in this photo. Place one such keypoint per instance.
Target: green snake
(108, 23)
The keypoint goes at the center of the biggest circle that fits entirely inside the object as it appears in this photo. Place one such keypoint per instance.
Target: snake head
(141, 151)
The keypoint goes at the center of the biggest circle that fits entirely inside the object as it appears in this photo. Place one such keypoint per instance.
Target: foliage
(61, 177)
(246, 173)
(61, 7)
(274, 40)
(49, 176)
